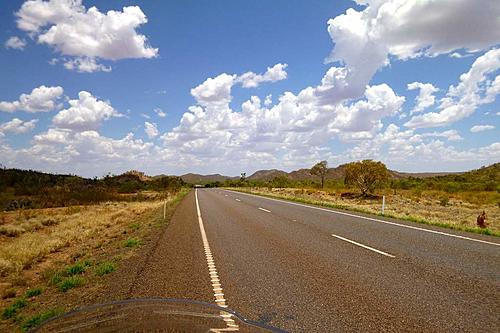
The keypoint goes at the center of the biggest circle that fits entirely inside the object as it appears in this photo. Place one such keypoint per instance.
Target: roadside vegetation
(55, 259)
(452, 201)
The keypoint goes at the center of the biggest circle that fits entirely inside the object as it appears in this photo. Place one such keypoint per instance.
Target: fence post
(383, 204)
(164, 209)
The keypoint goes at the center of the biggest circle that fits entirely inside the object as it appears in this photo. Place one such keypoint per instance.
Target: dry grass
(51, 245)
(460, 211)
(29, 237)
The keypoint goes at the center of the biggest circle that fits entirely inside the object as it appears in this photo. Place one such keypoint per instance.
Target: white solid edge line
(371, 219)
(216, 285)
(268, 211)
(364, 246)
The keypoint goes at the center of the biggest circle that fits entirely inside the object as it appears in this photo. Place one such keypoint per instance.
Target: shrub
(34, 292)
(70, 283)
(105, 268)
(11, 230)
(12, 310)
(131, 242)
(444, 201)
(40, 318)
(77, 268)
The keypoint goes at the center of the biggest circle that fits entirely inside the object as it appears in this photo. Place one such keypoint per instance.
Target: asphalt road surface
(303, 268)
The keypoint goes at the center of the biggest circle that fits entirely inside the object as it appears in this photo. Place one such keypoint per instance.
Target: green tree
(320, 169)
(366, 175)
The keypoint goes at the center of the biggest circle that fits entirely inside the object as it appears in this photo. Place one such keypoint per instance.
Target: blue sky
(341, 81)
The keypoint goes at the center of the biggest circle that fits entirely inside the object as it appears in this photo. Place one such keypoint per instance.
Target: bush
(444, 201)
(105, 268)
(131, 242)
(40, 318)
(12, 310)
(77, 268)
(11, 230)
(70, 283)
(34, 292)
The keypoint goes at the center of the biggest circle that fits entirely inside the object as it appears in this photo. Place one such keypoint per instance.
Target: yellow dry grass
(28, 236)
(461, 209)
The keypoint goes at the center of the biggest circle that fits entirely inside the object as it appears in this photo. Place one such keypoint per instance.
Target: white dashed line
(364, 246)
(214, 277)
(265, 210)
(372, 219)
(237, 199)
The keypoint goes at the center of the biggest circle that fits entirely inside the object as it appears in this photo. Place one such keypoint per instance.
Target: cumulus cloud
(41, 99)
(86, 34)
(425, 97)
(474, 89)
(62, 150)
(15, 43)
(151, 129)
(365, 39)
(273, 74)
(17, 126)
(481, 128)
(85, 113)
(298, 127)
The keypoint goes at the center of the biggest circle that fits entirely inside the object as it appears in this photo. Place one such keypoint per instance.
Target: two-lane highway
(304, 268)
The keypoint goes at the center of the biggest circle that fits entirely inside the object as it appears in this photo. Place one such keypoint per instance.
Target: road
(304, 268)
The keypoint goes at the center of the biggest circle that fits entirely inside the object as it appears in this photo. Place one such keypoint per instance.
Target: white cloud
(214, 91)
(88, 152)
(450, 135)
(17, 126)
(84, 113)
(15, 43)
(269, 100)
(41, 99)
(460, 55)
(425, 98)
(160, 113)
(151, 129)
(296, 129)
(365, 39)
(146, 116)
(85, 65)
(481, 128)
(474, 89)
(273, 74)
(86, 34)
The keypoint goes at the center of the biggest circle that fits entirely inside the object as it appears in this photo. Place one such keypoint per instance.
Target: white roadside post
(383, 204)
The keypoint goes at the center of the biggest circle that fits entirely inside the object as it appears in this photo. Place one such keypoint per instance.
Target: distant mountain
(336, 173)
(265, 175)
(193, 178)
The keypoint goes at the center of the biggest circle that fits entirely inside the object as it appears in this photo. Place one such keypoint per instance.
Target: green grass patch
(132, 242)
(77, 268)
(70, 283)
(34, 292)
(39, 318)
(134, 226)
(11, 310)
(105, 268)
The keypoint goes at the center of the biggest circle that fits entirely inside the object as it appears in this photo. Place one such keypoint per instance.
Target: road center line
(214, 277)
(264, 209)
(372, 219)
(237, 199)
(364, 246)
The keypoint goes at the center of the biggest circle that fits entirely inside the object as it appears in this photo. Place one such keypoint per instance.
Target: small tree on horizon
(366, 175)
(320, 169)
